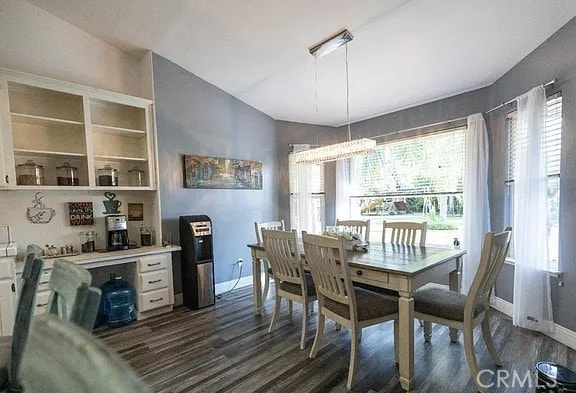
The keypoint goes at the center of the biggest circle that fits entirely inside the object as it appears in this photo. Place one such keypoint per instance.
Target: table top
(394, 258)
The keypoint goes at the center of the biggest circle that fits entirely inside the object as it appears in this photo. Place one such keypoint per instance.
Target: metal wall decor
(40, 213)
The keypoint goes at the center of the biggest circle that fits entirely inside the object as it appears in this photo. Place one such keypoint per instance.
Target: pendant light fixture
(351, 147)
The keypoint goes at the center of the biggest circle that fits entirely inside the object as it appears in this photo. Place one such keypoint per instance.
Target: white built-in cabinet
(7, 296)
(52, 122)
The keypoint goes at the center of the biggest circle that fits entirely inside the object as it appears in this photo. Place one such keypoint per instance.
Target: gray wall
(195, 117)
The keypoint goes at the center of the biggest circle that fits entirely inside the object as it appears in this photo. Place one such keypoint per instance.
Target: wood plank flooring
(226, 348)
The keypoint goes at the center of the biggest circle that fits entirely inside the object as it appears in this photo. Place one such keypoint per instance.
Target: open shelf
(128, 132)
(120, 159)
(45, 153)
(40, 120)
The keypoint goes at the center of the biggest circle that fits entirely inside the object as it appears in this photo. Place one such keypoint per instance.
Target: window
(552, 145)
(316, 184)
(416, 179)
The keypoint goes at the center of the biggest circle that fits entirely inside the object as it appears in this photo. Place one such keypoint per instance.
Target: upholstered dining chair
(360, 226)
(61, 357)
(432, 304)
(347, 305)
(290, 279)
(405, 232)
(268, 273)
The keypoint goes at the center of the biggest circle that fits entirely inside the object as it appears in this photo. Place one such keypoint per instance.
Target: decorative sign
(81, 213)
(40, 213)
(214, 172)
(135, 212)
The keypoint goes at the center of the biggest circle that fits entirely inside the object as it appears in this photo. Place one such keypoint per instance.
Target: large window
(552, 144)
(315, 184)
(416, 179)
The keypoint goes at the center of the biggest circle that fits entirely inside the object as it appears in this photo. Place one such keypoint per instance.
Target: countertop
(98, 258)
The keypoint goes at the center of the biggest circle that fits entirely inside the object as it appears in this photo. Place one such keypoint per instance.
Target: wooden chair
(258, 227)
(360, 226)
(290, 279)
(61, 357)
(349, 306)
(404, 232)
(466, 312)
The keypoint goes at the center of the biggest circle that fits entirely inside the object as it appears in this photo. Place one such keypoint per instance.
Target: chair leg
(304, 321)
(427, 331)
(275, 315)
(290, 307)
(266, 283)
(355, 340)
(319, 334)
(396, 342)
(489, 343)
(471, 354)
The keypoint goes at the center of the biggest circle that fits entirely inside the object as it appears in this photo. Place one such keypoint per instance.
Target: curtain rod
(514, 99)
(417, 128)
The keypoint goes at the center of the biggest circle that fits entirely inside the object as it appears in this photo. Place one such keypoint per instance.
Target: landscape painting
(214, 172)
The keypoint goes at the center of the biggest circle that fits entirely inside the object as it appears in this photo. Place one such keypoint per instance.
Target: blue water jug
(117, 306)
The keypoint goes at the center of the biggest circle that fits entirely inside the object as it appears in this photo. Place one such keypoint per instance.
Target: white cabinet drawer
(6, 269)
(44, 280)
(154, 299)
(41, 303)
(153, 280)
(152, 262)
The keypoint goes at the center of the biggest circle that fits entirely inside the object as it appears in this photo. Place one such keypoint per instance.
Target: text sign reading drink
(81, 213)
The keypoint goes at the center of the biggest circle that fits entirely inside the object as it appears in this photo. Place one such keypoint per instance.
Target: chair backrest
(360, 226)
(25, 310)
(282, 252)
(494, 251)
(274, 225)
(60, 357)
(405, 232)
(327, 259)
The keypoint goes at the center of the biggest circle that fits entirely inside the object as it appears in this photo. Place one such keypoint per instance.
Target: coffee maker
(116, 232)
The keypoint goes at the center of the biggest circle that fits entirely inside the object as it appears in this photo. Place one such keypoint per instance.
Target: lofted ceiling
(404, 52)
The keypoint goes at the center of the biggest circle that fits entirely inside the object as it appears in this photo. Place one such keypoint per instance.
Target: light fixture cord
(348, 97)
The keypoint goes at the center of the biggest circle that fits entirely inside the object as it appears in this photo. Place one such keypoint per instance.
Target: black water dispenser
(197, 261)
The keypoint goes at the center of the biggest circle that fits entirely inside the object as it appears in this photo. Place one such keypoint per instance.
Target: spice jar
(67, 175)
(30, 174)
(107, 176)
(136, 177)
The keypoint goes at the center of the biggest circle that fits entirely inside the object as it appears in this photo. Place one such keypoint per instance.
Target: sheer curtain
(476, 206)
(343, 188)
(532, 307)
(300, 200)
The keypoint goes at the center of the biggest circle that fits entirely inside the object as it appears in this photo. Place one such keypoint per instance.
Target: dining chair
(347, 305)
(61, 357)
(465, 312)
(268, 272)
(360, 226)
(292, 282)
(405, 232)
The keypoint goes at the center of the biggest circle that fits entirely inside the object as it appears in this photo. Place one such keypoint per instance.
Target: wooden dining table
(400, 268)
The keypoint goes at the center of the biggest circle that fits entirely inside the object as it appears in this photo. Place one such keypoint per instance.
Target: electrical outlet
(239, 261)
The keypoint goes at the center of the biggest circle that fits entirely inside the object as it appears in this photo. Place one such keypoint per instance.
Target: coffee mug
(112, 206)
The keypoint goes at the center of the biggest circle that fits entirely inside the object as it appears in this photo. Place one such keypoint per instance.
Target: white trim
(561, 334)
(227, 285)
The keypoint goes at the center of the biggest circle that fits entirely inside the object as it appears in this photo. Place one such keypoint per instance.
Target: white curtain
(300, 207)
(343, 188)
(476, 206)
(532, 307)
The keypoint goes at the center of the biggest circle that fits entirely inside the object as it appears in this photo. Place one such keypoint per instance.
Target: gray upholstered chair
(405, 232)
(349, 306)
(432, 304)
(290, 279)
(269, 274)
(12, 347)
(61, 357)
(360, 226)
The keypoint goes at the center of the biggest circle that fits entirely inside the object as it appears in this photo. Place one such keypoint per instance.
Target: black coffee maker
(116, 232)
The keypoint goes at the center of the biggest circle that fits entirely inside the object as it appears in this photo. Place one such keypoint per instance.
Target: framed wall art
(214, 172)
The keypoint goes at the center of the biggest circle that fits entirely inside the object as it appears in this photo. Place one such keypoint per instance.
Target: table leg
(406, 339)
(455, 284)
(257, 284)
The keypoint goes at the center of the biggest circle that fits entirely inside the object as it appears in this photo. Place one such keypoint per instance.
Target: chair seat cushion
(370, 305)
(296, 289)
(5, 356)
(442, 303)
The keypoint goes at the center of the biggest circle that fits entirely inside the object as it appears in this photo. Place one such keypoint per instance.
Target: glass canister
(145, 236)
(88, 241)
(136, 177)
(30, 174)
(67, 175)
(107, 176)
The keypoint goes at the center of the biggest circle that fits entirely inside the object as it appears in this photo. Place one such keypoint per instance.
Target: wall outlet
(239, 261)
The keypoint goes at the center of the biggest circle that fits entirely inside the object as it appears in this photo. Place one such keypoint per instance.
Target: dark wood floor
(226, 348)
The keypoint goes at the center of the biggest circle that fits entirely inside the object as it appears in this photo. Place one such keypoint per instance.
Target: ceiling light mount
(332, 43)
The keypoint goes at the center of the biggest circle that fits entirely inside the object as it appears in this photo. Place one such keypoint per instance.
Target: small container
(456, 243)
(107, 176)
(88, 241)
(67, 175)
(145, 236)
(136, 177)
(30, 174)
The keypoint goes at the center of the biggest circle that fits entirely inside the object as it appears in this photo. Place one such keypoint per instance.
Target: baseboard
(561, 334)
(227, 285)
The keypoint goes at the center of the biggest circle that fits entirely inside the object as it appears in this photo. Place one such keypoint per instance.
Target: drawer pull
(154, 281)
(42, 305)
(13, 288)
(358, 272)
(156, 300)
(153, 264)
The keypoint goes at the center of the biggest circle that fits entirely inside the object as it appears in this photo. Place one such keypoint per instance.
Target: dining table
(397, 267)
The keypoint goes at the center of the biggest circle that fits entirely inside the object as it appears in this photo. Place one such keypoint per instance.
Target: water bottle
(456, 243)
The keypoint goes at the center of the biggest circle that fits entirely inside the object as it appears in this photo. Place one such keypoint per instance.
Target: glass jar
(88, 241)
(107, 176)
(145, 236)
(30, 174)
(66, 175)
(136, 177)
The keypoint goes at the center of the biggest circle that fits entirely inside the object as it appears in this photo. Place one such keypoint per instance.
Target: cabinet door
(7, 312)
(7, 159)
